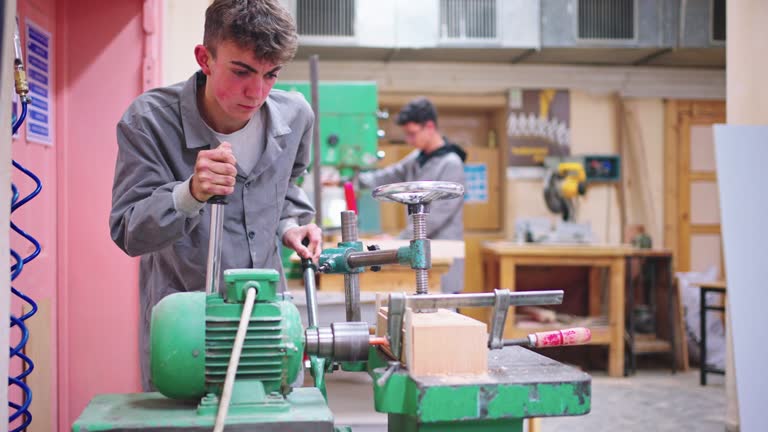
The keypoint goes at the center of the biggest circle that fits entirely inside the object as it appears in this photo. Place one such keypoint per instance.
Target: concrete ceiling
(682, 57)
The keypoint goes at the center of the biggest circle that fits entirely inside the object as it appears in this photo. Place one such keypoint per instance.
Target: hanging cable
(21, 410)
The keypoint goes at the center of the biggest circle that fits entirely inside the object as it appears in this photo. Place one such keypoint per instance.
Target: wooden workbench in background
(500, 262)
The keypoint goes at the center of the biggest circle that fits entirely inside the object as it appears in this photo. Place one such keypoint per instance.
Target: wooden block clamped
(444, 343)
(440, 343)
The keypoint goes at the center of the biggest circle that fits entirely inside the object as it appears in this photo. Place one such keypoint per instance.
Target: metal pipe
(352, 296)
(433, 301)
(351, 280)
(317, 182)
(234, 359)
(372, 258)
(311, 292)
(213, 270)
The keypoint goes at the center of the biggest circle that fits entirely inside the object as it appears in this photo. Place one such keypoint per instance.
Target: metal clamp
(500, 308)
(395, 313)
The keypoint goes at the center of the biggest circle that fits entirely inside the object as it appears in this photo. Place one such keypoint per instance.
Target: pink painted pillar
(104, 48)
(37, 218)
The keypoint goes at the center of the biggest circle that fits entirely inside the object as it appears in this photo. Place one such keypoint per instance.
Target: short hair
(419, 110)
(263, 26)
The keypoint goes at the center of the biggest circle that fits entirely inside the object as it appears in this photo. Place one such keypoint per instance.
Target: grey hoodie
(446, 217)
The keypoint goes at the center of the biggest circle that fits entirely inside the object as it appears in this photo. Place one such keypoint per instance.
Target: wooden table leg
(507, 273)
(616, 319)
(534, 424)
(595, 290)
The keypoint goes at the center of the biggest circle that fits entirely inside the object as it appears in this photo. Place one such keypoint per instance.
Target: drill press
(236, 353)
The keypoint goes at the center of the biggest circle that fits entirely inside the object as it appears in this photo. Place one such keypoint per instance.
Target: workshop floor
(651, 400)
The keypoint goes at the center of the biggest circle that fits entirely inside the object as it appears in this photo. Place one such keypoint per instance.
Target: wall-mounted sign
(38, 63)
(538, 125)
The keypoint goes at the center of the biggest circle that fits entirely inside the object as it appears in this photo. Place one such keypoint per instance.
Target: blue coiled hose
(18, 410)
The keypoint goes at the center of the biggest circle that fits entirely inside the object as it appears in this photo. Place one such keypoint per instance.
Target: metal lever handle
(308, 271)
(213, 269)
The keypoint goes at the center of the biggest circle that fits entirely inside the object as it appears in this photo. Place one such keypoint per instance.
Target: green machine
(229, 359)
(349, 133)
(348, 122)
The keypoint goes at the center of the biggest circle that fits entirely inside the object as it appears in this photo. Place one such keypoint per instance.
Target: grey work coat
(159, 137)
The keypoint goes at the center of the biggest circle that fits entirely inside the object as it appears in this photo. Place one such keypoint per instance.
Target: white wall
(747, 104)
(376, 23)
(593, 123)
(183, 22)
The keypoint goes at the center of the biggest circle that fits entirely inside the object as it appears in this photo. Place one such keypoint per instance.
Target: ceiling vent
(332, 18)
(606, 19)
(468, 20)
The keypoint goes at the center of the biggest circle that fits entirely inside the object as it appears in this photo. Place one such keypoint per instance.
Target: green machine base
(519, 384)
(307, 412)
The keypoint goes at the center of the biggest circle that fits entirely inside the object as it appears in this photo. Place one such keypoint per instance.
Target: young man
(435, 158)
(222, 132)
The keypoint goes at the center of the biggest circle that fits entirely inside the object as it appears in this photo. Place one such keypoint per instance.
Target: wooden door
(692, 211)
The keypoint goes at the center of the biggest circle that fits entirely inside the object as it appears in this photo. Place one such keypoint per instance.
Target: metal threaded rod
(419, 226)
(348, 226)
(419, 233)
(422, 281)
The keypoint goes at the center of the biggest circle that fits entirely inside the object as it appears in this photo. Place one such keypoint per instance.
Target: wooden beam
(671, 139)
(709, 176)
(467, 101)
(683, 192)
(705, 229)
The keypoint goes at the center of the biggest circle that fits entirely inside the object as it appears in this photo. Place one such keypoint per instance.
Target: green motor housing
(192, 335)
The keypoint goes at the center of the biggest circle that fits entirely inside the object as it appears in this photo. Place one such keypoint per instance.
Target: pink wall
(101, 59)
(101, 46)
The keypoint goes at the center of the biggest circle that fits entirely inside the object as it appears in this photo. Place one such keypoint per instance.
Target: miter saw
(564, 183)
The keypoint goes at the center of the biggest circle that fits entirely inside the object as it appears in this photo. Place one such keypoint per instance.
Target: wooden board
(444, 343)
(389, 279)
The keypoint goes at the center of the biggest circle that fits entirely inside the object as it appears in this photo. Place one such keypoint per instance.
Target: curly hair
(263, 26)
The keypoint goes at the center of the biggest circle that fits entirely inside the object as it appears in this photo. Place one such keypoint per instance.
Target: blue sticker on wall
(476, 182)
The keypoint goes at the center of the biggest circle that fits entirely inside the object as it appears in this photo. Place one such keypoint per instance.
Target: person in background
(434, 158)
